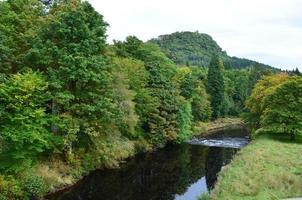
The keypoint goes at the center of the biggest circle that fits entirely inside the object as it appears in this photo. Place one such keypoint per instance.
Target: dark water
(178, 172)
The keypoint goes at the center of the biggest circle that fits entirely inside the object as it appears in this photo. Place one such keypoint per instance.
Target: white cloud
(268, 31)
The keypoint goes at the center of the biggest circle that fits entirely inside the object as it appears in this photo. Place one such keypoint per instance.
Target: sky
(267, 31)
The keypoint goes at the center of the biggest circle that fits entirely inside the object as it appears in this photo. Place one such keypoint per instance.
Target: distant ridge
(194, 48)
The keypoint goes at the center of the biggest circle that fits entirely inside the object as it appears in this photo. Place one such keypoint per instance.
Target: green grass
(205, 196)
(270, 167)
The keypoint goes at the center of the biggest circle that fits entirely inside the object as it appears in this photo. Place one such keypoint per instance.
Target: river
(176, 172)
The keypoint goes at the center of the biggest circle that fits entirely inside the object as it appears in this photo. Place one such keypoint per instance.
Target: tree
(236, 90)
(297, 72)
(190, 84)
(69, 50)
(201, 105)
(215, 86)
(25, 125)
(282, 108)
(197, 49)
(255, 103)
(185, 81)
(184, 120)
(256, 73)
(19, 23)
(160, 121)
(129, 80)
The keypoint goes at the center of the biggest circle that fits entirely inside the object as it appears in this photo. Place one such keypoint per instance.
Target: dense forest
(194, 48)
(71, 102)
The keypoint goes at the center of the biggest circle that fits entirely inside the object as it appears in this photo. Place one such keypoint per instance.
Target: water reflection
(217, 158)
(180, 172)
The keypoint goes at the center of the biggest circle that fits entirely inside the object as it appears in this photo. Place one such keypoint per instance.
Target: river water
(177, 172)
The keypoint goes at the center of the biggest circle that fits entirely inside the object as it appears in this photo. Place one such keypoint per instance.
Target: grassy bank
(270, 167)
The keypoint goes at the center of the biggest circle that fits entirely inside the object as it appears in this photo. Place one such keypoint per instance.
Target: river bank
(268, 168)
(177, 171)
(63, 176)
(55, 174)
(207, 128)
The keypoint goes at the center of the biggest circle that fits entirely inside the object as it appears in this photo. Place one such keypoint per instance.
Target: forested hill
(194, 48)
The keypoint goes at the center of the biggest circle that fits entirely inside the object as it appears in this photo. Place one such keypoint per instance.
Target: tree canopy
(194, 48)
(275, 105)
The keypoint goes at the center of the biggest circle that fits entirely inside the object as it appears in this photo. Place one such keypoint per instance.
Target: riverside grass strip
(270, 167)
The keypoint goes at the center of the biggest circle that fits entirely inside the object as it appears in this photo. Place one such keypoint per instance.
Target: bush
(10, 188)
(33, 186)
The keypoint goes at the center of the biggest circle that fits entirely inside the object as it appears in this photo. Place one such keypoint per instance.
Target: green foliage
(205, 196)
(24, 123)
(111, 149)
(184, 121)
(10, 188)
(163, 123)
(236, 91)
(275, 105)
(256, 73)
(19, 23)
(68, 51)
(190, 48)
(255, 103)
(190, 84)
(215, 87)
(282, 108)
(124, 96)
(67, 95)
(161, 119)
(33, 186)
(27, 186)
(194, 48)
(201, 106)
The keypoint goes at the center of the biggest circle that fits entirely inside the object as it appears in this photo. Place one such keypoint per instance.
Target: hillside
(194, 48)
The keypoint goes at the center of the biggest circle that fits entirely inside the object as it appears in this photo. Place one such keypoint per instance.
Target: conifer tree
(215, 86)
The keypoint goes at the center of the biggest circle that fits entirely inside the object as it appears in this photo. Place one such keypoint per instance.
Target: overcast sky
(268, 31)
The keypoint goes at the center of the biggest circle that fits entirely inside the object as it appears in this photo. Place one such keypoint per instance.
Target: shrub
(10, 188)
(33, 186)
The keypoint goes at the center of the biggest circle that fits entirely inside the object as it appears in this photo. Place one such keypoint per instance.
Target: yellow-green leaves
(24, 129)
(275, 104)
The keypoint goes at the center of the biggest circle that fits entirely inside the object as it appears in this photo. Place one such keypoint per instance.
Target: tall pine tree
(215, 86)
